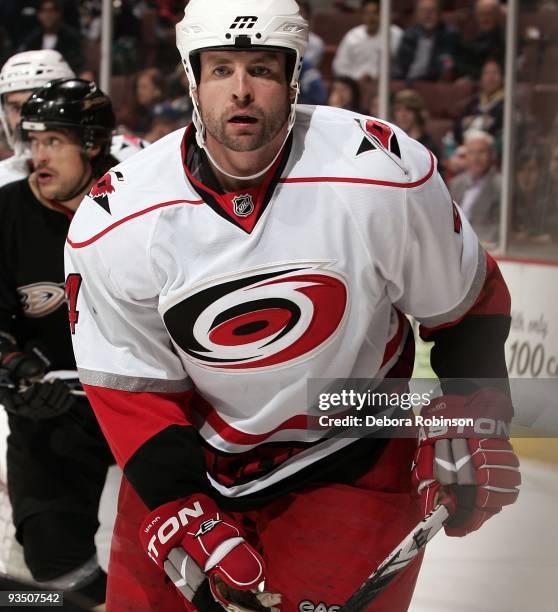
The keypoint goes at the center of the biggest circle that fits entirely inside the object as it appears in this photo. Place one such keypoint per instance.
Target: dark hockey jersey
(32, 298)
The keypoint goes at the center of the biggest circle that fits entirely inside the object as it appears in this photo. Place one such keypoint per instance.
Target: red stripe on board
(362, 181)
(80, 245)
(533, 261)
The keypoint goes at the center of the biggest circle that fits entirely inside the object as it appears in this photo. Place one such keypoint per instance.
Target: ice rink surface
(509, 565)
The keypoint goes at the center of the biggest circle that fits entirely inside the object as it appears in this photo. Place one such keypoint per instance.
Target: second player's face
(59, 163)
(243, 97)
(12, 107)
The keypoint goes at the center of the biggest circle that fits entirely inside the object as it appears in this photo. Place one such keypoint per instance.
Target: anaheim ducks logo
(263, 319)
(41, 299)
(101, 190)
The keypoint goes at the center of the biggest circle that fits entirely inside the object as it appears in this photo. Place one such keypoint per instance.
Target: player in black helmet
(57, 458)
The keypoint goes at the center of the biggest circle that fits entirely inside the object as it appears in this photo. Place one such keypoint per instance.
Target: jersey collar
(241, 208)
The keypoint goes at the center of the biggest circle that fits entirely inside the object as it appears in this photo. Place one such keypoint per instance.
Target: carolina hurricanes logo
(40, 299)
(262, 320)
(100, 191)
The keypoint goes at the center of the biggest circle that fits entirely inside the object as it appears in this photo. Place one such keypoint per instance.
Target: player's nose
(242, 92)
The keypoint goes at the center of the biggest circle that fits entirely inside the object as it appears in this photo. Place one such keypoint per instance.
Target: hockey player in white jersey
(215, 273)
(20, 75)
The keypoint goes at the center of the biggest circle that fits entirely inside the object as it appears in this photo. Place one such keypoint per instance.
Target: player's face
(59, 163)
(12, 107)
(243, 97)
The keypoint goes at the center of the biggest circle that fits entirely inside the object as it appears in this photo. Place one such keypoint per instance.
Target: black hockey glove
(21, 367)
(39, 401)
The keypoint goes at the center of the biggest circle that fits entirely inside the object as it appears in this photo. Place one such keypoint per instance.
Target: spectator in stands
(53, 33)
(345, 93)
(456, 163)
(5, 45)
(485, 111)
(177, 91)
(477, 190)
(488, 42)
(312, 87)
(19, 17)
(410, 115)
(528, 198)
(91, 20)
(358, 55)
(170, 10)
(316, 46)
(150, 90)
(346, 6)
(428, 49)
(165, 46)
(165, 119)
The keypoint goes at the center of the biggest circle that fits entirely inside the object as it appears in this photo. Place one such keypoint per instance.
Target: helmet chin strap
(200, 137)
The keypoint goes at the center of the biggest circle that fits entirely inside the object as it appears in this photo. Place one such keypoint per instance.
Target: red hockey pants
(319, 544)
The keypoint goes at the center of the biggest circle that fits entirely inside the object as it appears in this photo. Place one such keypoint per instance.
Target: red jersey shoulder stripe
(362, 181)
(80, 245)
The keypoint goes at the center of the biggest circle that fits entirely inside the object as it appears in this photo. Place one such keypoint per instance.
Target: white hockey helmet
(240, 25)
(27, 71)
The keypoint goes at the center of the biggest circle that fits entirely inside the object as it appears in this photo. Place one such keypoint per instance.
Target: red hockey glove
(194, 529)
(474, 465)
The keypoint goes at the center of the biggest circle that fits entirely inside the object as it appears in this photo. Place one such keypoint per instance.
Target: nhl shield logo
(243, 205)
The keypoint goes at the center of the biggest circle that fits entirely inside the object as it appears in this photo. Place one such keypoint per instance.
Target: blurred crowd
(447, 59)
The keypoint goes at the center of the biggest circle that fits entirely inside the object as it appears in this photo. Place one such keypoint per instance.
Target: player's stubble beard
(68, 188)
(261, 133)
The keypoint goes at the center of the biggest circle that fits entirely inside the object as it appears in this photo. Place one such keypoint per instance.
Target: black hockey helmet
(74, 104)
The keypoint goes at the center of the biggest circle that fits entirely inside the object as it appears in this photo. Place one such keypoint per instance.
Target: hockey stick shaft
(397, 560)
(6, 383)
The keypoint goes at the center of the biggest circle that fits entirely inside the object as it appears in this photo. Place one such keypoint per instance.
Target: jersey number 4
(73, 285)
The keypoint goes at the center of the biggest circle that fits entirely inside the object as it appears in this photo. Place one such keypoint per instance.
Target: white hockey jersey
(244, 297)
(13, 169)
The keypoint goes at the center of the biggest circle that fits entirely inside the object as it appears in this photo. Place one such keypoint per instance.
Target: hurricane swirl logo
(277, 316)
